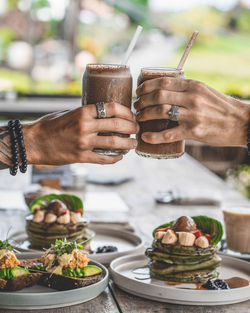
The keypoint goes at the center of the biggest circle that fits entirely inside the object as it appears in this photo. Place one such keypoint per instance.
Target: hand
(70, 136)
(206, 115)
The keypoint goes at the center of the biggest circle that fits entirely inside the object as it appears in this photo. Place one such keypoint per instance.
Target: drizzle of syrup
(199, 286)
(237, 282)
(172, 283)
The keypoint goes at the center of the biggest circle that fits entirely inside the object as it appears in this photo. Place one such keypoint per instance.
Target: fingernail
(137, 128)
(138, 116)
(143, 137)
(135, 143)
(138, 89)
(136, 103)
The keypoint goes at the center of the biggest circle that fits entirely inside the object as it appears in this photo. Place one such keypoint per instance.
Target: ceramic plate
(32, 298)
(127, 243)
(131, 274)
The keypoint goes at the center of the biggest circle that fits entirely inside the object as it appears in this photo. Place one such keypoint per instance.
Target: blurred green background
(46, 44)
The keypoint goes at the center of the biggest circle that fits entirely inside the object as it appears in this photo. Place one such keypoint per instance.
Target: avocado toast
(185, 250)
(64, 266)
(12, 276)
(56, 216)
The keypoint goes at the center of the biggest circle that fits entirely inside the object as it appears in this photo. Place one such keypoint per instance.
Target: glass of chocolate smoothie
(107, 83)
(164, 150)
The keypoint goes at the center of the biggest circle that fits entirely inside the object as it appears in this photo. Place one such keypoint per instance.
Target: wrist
(244, 124)
(30, 139)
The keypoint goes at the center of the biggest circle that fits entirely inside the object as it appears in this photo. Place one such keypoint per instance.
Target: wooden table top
(149, 177)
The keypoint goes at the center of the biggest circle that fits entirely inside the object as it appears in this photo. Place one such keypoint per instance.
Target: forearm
(5, 148)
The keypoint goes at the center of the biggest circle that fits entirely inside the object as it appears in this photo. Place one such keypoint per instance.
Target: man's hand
(70, 137)
(206, 115)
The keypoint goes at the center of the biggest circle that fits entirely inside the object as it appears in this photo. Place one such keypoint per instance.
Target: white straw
(187, 50)
(132, 44)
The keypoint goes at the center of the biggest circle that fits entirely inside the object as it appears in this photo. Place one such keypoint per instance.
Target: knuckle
(160, 96)
(116, 124)
(83, 114)
(82, 127)
(82, 142)
(196, 85)
(196, 99)
(114, 107)
(167, 136)
(197, 132)
(159, 110)
(113, 141)
(164, 82)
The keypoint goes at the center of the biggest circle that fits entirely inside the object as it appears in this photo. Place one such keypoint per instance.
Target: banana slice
(169, 237)
(186, 239)
(159, 235)
(202, 242)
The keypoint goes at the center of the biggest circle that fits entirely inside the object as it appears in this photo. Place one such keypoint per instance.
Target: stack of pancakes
(182, 264)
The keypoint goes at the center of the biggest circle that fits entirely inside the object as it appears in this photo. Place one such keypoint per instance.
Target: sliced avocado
(90, 270)
(19, 271)
(8, 273)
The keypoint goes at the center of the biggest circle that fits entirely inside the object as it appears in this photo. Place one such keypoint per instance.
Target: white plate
(33, 298)
(243, 256)
(122, 274)
(126, 242)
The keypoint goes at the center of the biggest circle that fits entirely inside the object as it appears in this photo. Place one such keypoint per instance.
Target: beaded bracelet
(14, 148)
(17, 147)
(22, 150)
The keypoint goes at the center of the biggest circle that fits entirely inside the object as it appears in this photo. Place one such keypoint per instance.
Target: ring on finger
(100, 110)
(174, 113)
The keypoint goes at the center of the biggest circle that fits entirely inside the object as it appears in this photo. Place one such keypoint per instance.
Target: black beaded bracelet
(248, 139)
(14, 148)
(17, 147)
(22, 150)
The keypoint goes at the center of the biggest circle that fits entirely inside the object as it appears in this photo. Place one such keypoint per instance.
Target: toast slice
(23, 281)
(61, 282)
(3, 283)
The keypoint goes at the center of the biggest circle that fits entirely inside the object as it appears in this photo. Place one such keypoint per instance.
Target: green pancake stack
(42, 234)
(187, 264)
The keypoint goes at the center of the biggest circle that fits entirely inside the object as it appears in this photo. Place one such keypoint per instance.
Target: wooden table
(150, 176)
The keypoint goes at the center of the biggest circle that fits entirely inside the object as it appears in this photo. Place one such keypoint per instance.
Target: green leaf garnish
(206, 224)
(72, 202)
(63, 246)
(5, 245)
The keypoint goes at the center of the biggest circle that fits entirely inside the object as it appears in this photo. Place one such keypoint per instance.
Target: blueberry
(221, 284)
(210, 285)
(105, 249)
(218, 284)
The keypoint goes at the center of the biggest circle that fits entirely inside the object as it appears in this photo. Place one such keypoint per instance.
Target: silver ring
(100, 109)
(174, 113)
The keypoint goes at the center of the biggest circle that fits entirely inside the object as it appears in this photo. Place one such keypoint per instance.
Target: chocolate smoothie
(107, 83)
(165, 150)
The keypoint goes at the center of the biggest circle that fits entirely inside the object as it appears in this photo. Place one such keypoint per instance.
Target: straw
(132, 44)
(187, 50)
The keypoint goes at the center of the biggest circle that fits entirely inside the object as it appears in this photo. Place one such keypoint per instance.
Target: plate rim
(102, 257)
(22, 295)
(139, 257)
